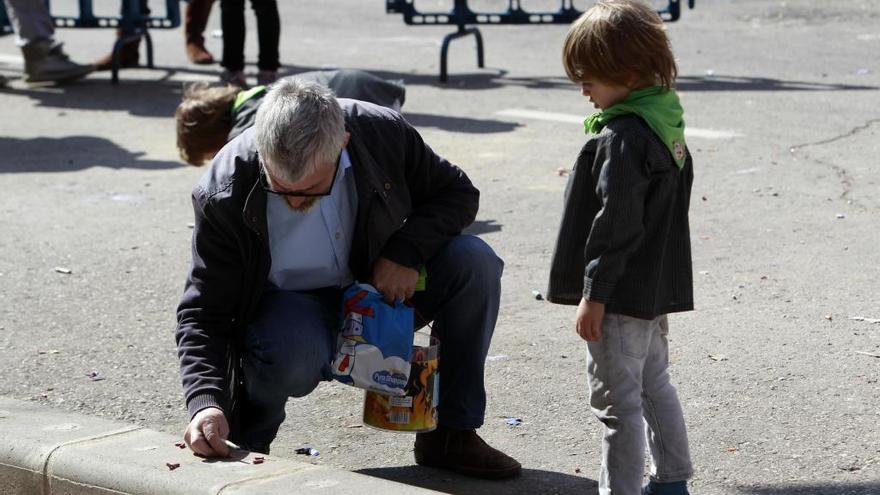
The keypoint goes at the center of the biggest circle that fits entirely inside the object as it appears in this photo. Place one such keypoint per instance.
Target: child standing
(623, 251)
(268, 35)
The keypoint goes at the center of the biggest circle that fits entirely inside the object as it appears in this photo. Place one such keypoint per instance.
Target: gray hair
(299, 125)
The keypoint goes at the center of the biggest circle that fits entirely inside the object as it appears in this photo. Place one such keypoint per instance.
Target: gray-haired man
(319, 193)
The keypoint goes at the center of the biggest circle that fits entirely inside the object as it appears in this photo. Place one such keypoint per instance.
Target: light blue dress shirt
(310, 249)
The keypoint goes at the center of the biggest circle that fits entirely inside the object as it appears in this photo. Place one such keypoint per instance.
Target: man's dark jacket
(410, 203)
(624, 239)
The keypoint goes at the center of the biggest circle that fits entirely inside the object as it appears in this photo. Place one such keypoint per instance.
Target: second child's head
(616, 47)
(204, 119)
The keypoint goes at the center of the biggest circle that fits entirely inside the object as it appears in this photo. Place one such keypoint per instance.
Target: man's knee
(470, 254)
(270, 377)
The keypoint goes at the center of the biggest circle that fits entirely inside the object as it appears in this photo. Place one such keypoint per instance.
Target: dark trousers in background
(291, 343)
(196, 20)
(268, 33)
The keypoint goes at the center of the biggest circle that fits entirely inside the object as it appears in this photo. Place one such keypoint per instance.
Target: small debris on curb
(829, 317)
(538, 296)
(307, 451)
(731, 449)
(95, 376)
(513, 421)
(562, 171)
(841, 216)
(61, 269)
(717, 357)
(871, 354)
(180, 445)
(355, 425)
(172, 465)
(258, 460)
(577, 470)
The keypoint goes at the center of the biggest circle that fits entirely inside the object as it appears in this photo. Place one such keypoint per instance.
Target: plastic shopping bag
(373, 349)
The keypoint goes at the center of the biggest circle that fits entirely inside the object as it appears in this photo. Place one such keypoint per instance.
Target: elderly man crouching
(319, 193)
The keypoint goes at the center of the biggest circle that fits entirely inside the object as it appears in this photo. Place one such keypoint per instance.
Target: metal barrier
(5, 25)
(132, 24)
(461, 16)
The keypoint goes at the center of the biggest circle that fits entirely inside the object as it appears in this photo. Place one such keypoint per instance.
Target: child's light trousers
(632, 396)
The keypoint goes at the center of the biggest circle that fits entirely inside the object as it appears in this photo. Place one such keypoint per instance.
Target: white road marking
(577, 119)
(8, 59)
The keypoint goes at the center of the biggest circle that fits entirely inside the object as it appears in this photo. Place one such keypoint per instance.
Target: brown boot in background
(195, 19)
(128, 56)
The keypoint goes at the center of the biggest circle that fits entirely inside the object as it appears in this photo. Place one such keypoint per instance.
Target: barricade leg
(149, 42)
(444, 49)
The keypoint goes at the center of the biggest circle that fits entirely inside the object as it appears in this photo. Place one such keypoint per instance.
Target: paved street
(777, 368)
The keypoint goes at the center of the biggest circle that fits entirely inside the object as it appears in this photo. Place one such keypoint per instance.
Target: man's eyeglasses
(264, 184)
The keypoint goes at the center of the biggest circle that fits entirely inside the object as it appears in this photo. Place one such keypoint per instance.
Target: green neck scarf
(659, 108)
(244, 96)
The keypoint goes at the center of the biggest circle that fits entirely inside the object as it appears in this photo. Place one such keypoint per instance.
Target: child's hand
(588, 322)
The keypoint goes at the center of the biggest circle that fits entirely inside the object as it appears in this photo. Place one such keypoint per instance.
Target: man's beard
(305, 206)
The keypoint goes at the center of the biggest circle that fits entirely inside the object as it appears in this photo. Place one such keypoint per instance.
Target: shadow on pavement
(70, 153)
(530, 482)
(737, 83)
(148, 98)
(490, 78)
(483, 227)
(459, 124)
(830, 488)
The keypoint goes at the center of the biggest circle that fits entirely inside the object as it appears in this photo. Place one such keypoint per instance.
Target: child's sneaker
(266, 77)
(235, 78)
(673, 488)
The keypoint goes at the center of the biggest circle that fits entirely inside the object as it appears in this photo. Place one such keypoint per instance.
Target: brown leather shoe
(195, 19)
(464, 452)
(198, 54)
(128, 57)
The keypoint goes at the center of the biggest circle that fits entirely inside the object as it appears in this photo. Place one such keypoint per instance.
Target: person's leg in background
(232, 22)
(195, 19)
(129, 53)
(269, 35)
(44, 58)
(288, 351)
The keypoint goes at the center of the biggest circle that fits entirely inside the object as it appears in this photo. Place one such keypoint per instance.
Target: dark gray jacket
(624, 238)
(410, 203)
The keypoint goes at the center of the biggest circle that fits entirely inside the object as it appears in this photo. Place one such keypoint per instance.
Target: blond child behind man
(623, 251)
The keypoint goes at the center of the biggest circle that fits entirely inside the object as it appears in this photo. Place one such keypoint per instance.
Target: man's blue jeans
(291, 342)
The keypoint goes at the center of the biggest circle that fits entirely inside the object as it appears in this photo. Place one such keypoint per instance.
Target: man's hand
(207, 432)
(395, 282)
(588, 322)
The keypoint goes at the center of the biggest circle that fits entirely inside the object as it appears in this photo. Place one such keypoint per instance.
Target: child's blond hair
(621, 42)
(204, 119)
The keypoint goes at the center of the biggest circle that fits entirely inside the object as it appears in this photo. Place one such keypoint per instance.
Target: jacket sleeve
(444, 202)
(617, 230)
(205, 314)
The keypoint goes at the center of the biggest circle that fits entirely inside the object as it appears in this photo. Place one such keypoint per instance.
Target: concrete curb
(50, 452)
